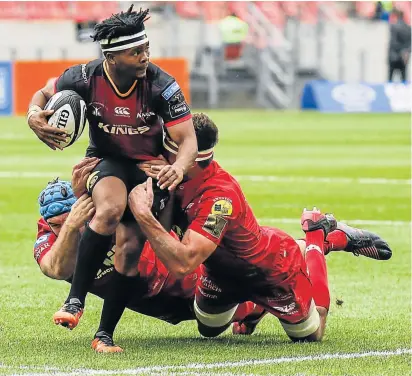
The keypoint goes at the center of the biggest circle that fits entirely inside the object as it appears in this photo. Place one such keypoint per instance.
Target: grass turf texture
(293, 147)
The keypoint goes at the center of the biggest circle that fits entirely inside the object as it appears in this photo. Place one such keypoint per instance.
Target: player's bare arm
(183, 134)
(37, 117)
(59, 262)
(180, 258)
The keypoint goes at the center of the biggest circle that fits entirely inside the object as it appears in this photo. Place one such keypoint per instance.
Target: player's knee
(311, 329)
(209, 332)
(213, 324)
(109, 215)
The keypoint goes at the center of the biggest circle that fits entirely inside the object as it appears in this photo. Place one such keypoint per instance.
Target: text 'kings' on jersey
(128, 125)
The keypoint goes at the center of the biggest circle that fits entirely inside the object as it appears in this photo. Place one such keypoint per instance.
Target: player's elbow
(181, 271)
(56, 270)
(185, 263)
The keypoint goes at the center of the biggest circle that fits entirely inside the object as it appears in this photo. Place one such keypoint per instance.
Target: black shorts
(128, 172)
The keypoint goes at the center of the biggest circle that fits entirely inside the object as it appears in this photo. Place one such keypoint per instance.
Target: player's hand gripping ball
(69, 115)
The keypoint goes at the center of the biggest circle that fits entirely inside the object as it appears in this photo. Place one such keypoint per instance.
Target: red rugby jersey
(214, 206)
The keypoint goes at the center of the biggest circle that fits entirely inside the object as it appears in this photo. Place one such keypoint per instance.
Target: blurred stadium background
(255, 77)
(263, 57)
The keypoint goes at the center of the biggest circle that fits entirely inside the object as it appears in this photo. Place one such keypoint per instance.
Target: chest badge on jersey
(97, 110)
(214, 225)
(222, 207)
(122, 111)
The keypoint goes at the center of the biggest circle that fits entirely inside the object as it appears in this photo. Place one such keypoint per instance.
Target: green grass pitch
(356, 166)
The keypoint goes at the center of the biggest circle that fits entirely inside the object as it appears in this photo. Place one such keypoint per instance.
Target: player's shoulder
(83, 72)
(162, 82)
(158, 76)
(221, 185)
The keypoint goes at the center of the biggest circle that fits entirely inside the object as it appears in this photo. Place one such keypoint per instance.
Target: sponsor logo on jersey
(97, 109)
(167, 94)
(222, 207)
(208, 284)
(177, 110)
(178, 105)
(42, 239)
(144, 115)
(288, 309)
(42, 243)
(84, 74)
(122, 111)
(214, 225)
(38, 251)
(123, 129)
(205, 294)
(279, 297)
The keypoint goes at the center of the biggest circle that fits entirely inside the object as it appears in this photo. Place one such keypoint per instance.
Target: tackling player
(157, 294)
(242, 260)
(129, 99)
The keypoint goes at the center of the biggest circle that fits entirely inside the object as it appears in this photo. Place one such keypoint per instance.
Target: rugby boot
(103, 343)
(248, 325)
(313, 220)
(69, 315)
(362, 242)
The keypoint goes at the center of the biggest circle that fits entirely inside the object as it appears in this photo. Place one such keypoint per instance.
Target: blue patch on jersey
(167, 94)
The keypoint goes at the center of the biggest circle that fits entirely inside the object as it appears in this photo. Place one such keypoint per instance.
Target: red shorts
(286, 290)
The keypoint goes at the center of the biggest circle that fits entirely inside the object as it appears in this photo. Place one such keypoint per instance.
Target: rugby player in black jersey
(131, 102)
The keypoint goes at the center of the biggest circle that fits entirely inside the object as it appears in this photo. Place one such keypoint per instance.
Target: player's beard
(141, 73)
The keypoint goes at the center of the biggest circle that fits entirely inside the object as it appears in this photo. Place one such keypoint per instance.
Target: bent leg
(214, 306)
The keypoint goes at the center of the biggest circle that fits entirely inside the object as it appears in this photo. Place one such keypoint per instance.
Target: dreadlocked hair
(121, 24)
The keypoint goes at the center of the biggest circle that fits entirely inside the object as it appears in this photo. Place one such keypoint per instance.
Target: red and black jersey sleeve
(216, 213)
(170, 102)
(45, 240)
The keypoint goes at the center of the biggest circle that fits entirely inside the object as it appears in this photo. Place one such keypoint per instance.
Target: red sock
(336, 240)
(245, 309)
(316, 263)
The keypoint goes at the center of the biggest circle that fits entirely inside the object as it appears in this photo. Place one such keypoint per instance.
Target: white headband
(172, 147)
(123, 43)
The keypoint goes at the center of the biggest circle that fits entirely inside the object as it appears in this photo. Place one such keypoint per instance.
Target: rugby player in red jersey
(243, 261)
(157, 294)
(129, 100)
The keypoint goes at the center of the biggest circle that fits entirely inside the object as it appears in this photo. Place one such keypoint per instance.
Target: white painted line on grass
(316, 179)
(223, 365)
(356, 222)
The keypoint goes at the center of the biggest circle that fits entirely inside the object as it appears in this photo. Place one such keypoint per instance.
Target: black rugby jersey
(126, 125)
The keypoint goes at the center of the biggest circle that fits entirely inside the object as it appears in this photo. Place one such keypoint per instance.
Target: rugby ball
(69, 114)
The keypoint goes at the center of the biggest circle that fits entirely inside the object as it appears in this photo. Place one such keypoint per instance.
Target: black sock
(93, 248)
(121, 289)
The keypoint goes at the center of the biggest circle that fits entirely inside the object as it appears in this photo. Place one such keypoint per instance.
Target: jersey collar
(122, 95)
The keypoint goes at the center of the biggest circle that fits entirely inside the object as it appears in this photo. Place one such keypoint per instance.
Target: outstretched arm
(181, 258)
